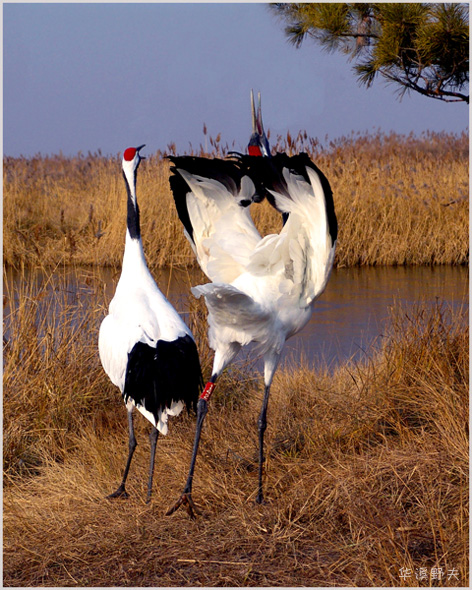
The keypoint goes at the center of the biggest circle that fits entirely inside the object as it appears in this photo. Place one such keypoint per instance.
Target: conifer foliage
(422, 47)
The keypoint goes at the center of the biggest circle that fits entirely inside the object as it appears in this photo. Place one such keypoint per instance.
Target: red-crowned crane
(262, 290)
(258, 142)
(145, 348)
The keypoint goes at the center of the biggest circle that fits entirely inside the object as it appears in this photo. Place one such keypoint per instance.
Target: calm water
(349, 320)
(351, 316)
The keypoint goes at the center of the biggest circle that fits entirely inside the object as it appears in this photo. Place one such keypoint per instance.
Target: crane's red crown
(254, 150)
(129, 154)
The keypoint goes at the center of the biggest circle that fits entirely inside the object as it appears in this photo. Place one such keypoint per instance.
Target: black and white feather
(145, 347)
(261, 290)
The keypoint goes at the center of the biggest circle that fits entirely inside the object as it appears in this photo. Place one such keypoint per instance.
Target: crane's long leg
(271, 360)
(121, 492)
(202, 409)
(153, 436)
(262, 425)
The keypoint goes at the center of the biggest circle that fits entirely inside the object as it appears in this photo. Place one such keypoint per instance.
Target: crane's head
(258, 143)
(132, 158)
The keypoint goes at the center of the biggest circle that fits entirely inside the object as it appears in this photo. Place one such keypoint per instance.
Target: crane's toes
(192, 510)
(185, 500)
(260, 499)
(120, 493)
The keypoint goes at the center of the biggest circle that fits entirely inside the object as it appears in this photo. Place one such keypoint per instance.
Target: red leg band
(206, 394)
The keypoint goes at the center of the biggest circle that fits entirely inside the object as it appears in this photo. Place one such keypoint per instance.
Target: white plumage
(145, 348)
(262, 290)
(138, 312)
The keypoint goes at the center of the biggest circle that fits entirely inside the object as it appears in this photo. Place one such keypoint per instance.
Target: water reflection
(352, 314)
(349, 319)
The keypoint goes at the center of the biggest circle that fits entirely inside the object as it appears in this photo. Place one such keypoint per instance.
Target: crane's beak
(253, 113)
(258, 143)
(258, 118)
(140, 148)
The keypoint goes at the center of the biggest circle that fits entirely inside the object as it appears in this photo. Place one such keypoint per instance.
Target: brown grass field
(399, 200)
(367, 466)
(366, 472)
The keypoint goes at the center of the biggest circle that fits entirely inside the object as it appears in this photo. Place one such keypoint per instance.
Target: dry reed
(366, 472)
(399, 200)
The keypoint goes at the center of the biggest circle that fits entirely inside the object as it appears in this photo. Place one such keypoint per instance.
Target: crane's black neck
(133, 210)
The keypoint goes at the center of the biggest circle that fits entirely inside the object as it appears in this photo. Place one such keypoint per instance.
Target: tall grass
(399, 200)
(366, 471)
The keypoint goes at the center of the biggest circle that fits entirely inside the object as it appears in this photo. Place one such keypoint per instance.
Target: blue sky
(83, 77)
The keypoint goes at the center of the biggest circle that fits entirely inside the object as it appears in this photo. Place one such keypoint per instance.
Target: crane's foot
(185, 500)
(120, 493)
(260, 499)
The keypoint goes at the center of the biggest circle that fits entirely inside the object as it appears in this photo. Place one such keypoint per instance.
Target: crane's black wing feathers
(156, 377)
(266, 173)
(228, 172)
(180, 189)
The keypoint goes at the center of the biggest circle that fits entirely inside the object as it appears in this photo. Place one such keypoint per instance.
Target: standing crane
(262, 290)
(145, 348)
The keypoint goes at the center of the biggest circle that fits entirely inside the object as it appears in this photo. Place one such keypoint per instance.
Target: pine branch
(422, 47)
(436, 93)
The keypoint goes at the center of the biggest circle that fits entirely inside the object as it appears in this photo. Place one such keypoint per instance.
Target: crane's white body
(262, 289)
(138, 312)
